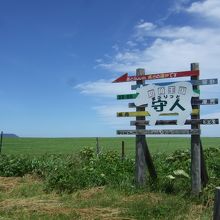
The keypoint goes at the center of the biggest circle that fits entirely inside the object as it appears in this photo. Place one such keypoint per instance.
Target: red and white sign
(126, 78)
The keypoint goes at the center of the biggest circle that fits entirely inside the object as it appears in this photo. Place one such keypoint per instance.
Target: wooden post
(122, 150)
(1, 142)
(195, 144)
(216, 215)
(140, 166)
(149, 161)
(97, 146)
(204, 173)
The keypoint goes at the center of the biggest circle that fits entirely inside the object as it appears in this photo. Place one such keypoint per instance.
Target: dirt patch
(102, 213)
(195, 212)
(35, 205)
(51, 204)
(152, 197)
(55, 207)
(9, 183)
(89, 193)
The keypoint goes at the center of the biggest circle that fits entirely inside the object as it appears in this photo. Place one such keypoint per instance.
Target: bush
(72, 172)
(105, 169)
(11, 165)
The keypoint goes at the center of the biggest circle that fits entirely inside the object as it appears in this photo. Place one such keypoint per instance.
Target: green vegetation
(36, 146)
(86, 186)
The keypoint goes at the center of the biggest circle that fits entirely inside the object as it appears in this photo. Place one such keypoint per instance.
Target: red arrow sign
(126, 78)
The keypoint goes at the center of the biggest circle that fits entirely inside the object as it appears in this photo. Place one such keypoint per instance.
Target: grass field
(24, 198)
(34, 146)
(27, 196)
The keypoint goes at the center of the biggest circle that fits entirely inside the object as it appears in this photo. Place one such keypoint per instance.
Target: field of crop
(36, 146)
(63, 178)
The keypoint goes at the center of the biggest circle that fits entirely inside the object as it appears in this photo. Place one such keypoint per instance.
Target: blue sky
(58, 58)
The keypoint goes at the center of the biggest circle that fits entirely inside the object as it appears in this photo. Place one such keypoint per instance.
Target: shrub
(106, 169)
(14, 165)
(73, 172)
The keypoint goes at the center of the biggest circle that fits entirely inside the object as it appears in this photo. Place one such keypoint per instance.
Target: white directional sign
(172, 98)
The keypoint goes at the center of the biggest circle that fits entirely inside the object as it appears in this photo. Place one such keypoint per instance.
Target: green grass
(26, 199)
(34, 146)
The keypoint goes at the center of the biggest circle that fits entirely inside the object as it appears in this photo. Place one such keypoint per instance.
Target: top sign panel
(126, 78)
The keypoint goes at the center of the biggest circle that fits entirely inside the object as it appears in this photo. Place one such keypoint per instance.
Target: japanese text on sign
(173, 98)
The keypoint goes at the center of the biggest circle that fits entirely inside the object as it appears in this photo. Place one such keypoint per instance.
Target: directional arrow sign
(194, 82)
(127, 96)
(126, 78)
(144, 113)
(193, 102)
(151, 132)
(174, 122)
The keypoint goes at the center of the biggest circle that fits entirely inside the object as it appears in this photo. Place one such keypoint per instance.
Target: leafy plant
(72, 172)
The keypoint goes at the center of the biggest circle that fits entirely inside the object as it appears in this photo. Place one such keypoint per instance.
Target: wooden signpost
(193, 82)
(167, 99)
(145, 113)
(126, 78)
(193, 102)
(151, 132)
(216, 215)
(174, 122)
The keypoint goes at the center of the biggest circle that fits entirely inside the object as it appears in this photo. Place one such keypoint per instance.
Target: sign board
(193, 102)
(174, 122)
(193, 82)
(173, 98)
(168, 98)
(153, 132)
(145, 113)
(134, 95)
(126, 78)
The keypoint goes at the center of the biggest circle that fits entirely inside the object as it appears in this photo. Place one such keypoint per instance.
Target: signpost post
(168, 99)
(195, 143)
(140, 138)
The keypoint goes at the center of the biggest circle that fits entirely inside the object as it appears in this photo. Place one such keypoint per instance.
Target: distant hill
(7, 135)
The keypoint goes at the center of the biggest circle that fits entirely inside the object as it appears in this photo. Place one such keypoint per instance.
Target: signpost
(145, 113)
(140, 140)
(174, 122)
(167, 99)
(193, 102)
(126, 78)
(151, 132)
(193, 82)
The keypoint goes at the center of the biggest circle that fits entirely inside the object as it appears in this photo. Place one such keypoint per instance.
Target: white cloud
(108, 114)
(143, 27)
(103, 88)
(178, 6)
(131, 43)
(209, 9)
(162, 49)
(172, 49)
(170, 55)
(108, 91)
(115, 47)
(211, 130)
(192, 34)
(147, 26)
